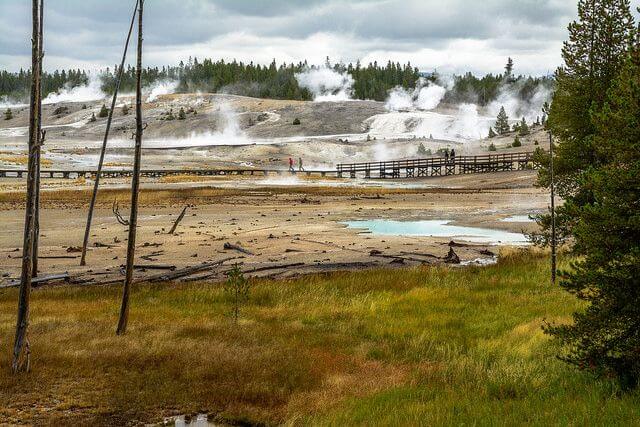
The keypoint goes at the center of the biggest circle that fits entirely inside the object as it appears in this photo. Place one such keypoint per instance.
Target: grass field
(429, 346)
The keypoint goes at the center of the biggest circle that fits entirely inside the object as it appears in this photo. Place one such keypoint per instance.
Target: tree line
(372, 81)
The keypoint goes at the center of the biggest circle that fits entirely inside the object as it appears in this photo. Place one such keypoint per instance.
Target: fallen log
(397, 257)
(37, 280)
(250, 271)
(188, 271)
(422, 254)
(57, 257)
(230, 246)
(155, 267)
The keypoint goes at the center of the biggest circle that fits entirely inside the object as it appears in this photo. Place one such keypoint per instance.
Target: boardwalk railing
(438, 166)
(120, 173)
(411, 168)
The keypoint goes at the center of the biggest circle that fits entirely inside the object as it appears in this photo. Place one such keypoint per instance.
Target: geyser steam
(326, 84)
(426, 96)
(92, 91)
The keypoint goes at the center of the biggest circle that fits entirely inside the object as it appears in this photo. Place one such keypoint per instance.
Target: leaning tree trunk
(21, 351)
(135, 186)
(96, 183)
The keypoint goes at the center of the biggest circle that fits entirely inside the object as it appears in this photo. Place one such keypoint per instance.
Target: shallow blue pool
(439, 228)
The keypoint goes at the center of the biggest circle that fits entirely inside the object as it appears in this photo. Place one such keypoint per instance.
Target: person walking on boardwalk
(446, 155)
(300, 167)
(453, 155)
(291, 169)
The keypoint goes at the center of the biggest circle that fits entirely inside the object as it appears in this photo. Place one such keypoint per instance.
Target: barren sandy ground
(300, 223)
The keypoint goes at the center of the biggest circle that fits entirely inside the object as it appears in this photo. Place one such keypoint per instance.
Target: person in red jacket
(291, 169)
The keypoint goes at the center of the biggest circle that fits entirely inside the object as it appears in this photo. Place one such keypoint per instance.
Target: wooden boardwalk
(438, 166)
(394, 169)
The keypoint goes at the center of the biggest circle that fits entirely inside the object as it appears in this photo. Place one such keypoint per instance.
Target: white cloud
(459, 36)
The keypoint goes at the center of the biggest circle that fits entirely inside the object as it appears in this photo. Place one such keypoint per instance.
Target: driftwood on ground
(230, 246)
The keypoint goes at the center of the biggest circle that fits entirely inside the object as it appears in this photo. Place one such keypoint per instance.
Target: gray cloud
(430, 33)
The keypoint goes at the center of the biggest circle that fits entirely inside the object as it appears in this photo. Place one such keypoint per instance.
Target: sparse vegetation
(8, 115)
(502, 122)
(237, 289)
(181, 114)
(492, 147)
(516, 142)
(523, 128)
(92, 118)
(296, 121)
(330, 349)
(422, 150)
(104, 112)
(492, 134)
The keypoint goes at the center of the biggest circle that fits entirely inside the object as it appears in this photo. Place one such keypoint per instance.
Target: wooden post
(96, 183)
(21, 350)
(553, 214)
(135, 186)
(41, 135)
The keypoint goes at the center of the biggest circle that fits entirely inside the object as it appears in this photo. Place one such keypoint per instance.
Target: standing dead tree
(41, 135)
(554, 254)
(135, 185)
(21, 350)
(96, 184)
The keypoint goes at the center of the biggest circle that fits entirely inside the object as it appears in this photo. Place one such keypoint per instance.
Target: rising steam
(426, 96)
(161, 88)
(326, 84)
(92, 91)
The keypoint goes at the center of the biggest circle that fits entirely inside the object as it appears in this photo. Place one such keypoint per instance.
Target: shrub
(516, 142)
(492, 147)
(296, 121)
(104, 112)
(237, 289)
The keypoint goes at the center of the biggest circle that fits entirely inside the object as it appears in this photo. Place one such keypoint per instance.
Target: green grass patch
(429, 345)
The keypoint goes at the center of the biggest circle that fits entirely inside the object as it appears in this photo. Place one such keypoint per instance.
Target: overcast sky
(447, 35)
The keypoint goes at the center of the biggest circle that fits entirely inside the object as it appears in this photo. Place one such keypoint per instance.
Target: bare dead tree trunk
(21, 351)
(135, 186)
(96, 184)
(41, 134)
(554, 254)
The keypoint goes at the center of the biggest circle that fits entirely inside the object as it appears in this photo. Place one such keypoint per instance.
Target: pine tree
(422, 150)
(492, 134)
(104, 112)
(523, 128)
(516, 142)
(599, 41)
(492, 147)
(8, 115)
(604, 338)
(508, 70)
(181, 114)
(502, 122)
